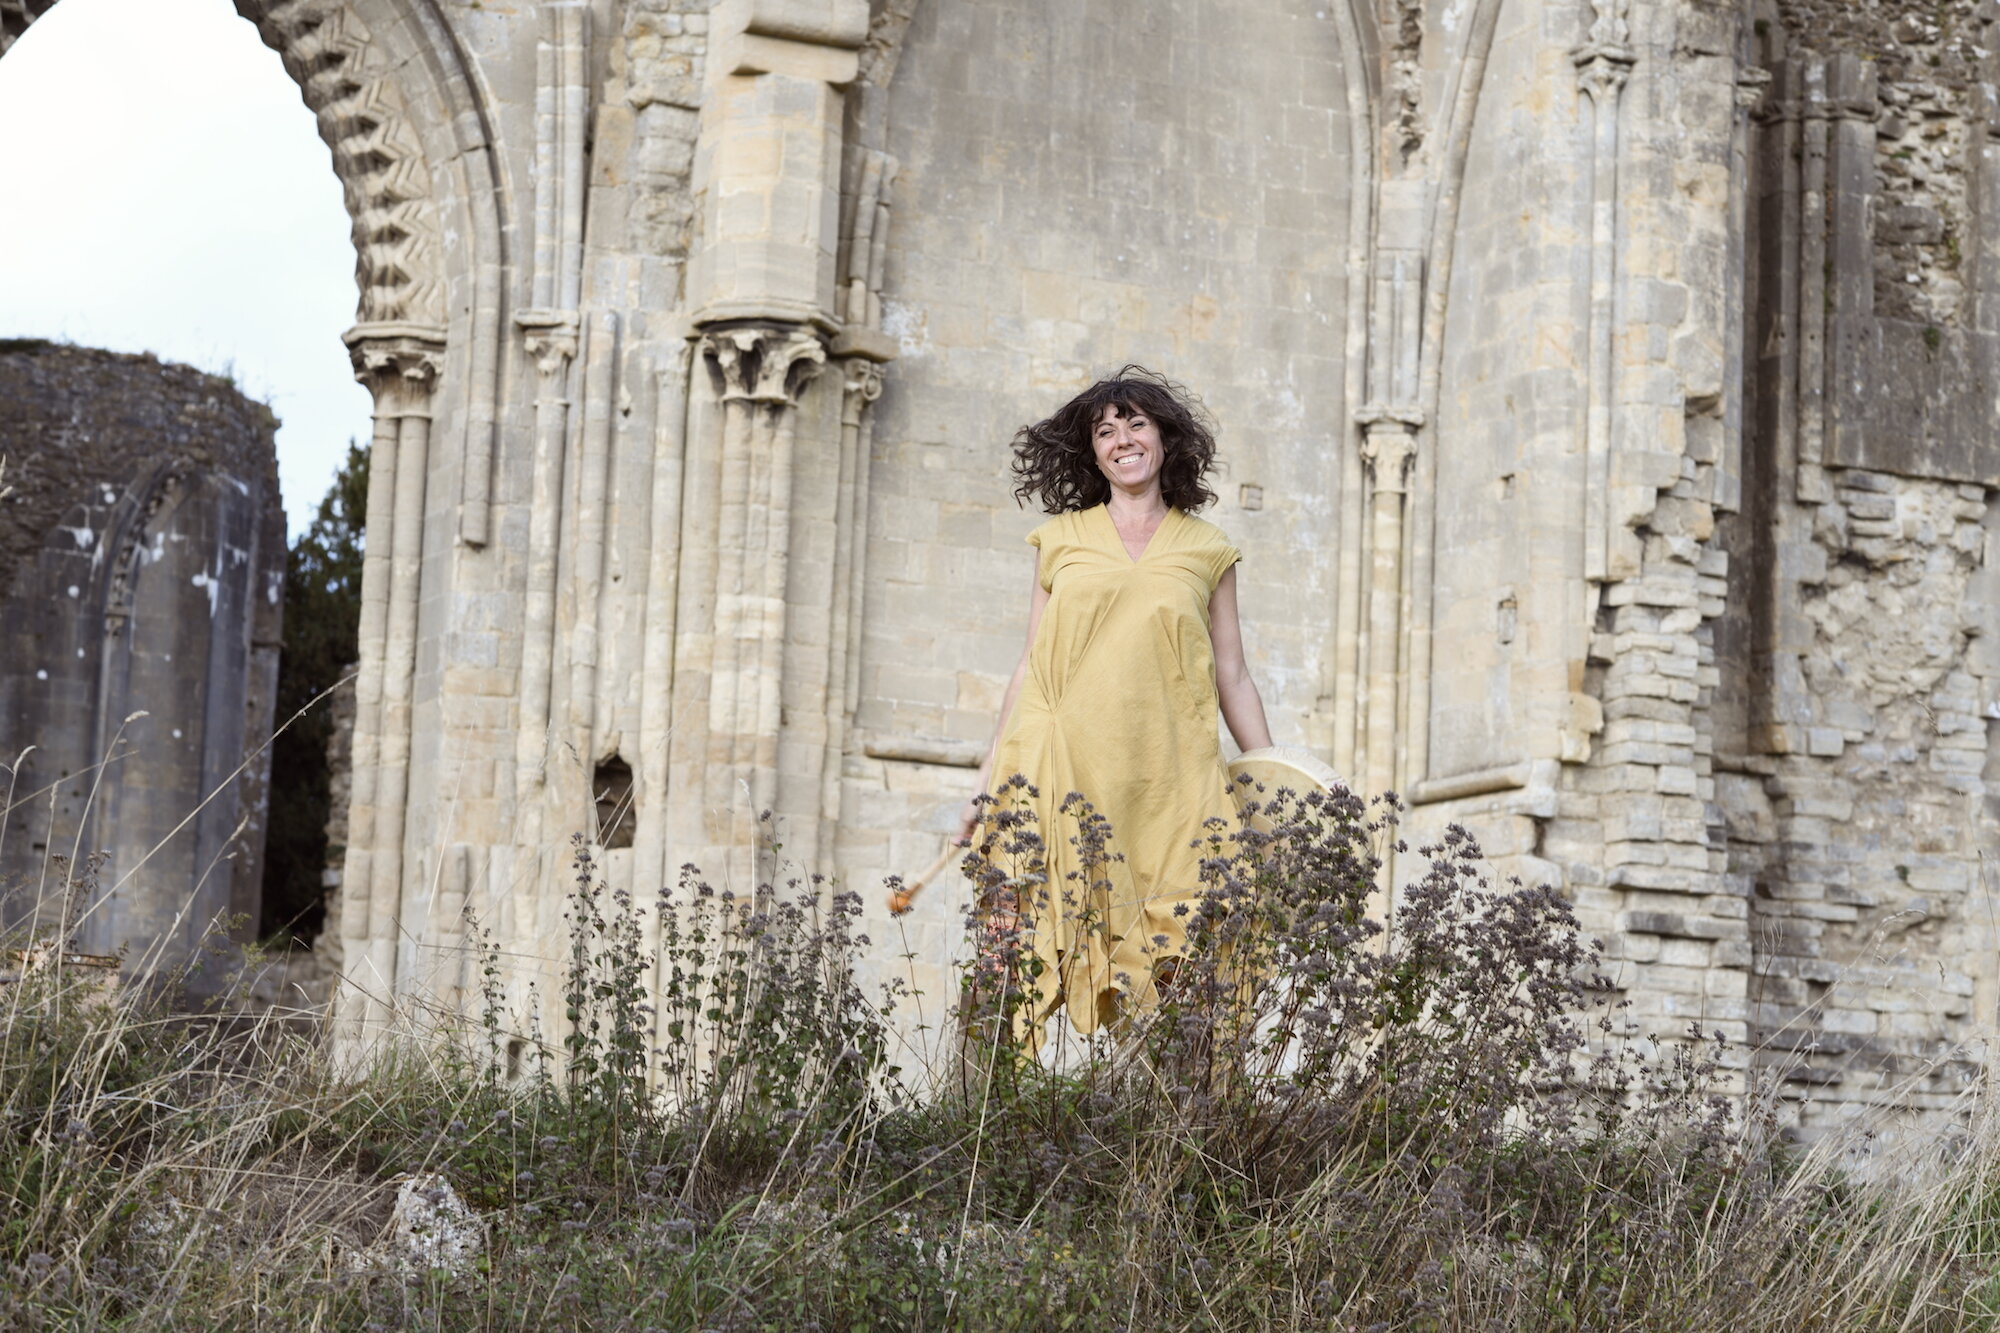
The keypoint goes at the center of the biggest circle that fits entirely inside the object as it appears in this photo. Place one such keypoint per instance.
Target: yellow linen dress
(1119, 704)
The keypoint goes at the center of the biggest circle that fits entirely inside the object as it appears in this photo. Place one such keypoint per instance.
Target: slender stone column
(861, 386)
(552, 341)
(663, 570)
(1603, 63)
(351, 1006)
(552, 330)
(400, 364)
(1388, 447)
(1812, 115)
(586, 707)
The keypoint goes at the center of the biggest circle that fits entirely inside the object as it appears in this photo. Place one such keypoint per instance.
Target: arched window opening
(612, 789)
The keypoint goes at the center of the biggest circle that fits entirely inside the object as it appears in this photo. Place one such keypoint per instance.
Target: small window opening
(613, 789)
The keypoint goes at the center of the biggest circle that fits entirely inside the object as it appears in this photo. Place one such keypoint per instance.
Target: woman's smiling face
(1129, 451)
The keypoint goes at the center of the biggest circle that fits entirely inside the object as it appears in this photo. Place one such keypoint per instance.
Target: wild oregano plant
(1463, 1019)
(605, 984)
(760, 1010)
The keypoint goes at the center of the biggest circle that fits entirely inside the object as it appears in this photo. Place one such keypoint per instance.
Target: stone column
(663, 590)
(759, 373)
(1603, 64)
(400, 364)
(551, 327)
(1812, 273)
(1388, 447)
(861, 386)
(551, 339)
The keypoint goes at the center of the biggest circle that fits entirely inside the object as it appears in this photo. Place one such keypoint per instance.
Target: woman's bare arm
(970, 814)
(1242, 706)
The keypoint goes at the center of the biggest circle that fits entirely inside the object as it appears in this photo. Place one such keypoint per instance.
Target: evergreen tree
(322, 624)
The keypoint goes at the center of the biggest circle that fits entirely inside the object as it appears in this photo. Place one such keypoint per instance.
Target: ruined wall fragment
(141, 562)
(1854, 805)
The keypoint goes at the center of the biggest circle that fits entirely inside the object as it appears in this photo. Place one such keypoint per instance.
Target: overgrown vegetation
(1324, 1128)
(322, 623)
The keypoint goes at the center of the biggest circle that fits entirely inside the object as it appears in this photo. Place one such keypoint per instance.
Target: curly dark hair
(1056, 467)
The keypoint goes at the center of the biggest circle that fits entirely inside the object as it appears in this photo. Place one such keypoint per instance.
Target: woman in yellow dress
(1133, 646)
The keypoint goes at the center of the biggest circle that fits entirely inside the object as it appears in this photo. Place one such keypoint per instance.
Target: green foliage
(322, 624)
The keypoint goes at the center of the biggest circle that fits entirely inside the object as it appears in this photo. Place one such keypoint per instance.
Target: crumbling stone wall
(654, 101)
(141, 560)
(1927, 59)
(1855, 808)
(1873, 903)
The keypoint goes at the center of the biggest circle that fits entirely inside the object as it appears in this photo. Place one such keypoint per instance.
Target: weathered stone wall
(1605, 389)
(141, 557)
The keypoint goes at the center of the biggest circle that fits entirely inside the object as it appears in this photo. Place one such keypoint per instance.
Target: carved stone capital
(764, 363)
(1601, 71)
(551, 338)
(1389, 446)
(1752, 84)
(1604, 61)
(861, 385)
(396, 360)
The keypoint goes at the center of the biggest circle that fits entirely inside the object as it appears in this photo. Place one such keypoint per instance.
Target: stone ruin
(142, 560)
(1607, 390)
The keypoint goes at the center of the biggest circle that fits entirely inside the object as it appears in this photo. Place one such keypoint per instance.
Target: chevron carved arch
(16, 15)
(344, 77)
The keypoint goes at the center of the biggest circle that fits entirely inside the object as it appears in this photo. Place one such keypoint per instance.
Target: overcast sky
(164, 189)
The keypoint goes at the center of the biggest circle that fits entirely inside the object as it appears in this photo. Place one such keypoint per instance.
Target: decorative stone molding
(1609, 31)
(1405, 43)
(347, 81)
(1752, 86)
(768, 364)
(550, 337)
(861, 386)
(396, 353)
(1389, 445)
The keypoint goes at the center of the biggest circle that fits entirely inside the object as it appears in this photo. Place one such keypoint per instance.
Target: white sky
(163, 189)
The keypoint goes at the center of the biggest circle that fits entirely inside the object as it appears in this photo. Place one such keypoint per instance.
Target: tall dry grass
(1320, 1130)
